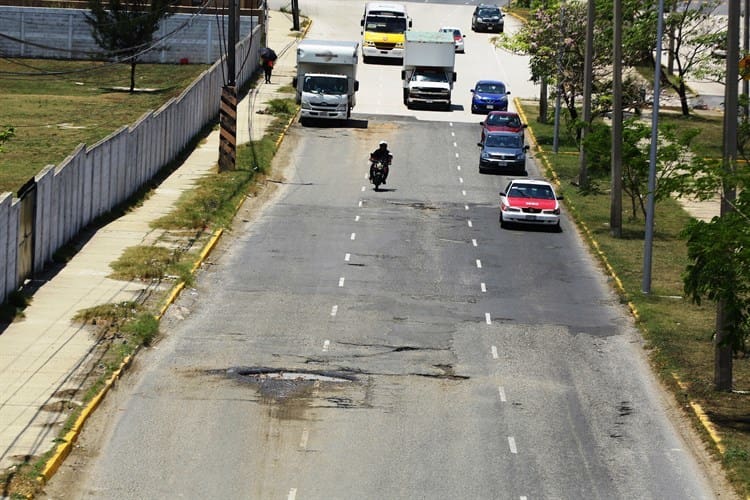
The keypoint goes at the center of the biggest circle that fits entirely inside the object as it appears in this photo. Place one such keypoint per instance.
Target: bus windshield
(385, 24)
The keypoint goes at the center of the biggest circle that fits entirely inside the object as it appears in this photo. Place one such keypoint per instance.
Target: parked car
(458, 37)
(530, 201)
(503, 152)
(487, 18)
(489, 95)
(502, 121)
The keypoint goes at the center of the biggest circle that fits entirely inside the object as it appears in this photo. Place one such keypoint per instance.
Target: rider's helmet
(383, 144)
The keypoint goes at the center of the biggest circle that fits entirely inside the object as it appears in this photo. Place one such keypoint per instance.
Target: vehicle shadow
(322, 123)
(531, 228)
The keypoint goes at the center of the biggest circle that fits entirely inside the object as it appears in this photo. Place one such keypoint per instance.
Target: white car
(458, 37)
(530, 201)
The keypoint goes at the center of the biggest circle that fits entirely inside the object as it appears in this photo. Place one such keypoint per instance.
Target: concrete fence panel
(6, 199)
(14, 224)
(43, 224)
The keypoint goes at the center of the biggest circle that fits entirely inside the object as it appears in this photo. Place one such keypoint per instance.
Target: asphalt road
(346, 343)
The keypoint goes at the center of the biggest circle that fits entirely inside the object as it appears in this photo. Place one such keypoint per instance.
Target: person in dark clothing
(381, 154)
(267, 68)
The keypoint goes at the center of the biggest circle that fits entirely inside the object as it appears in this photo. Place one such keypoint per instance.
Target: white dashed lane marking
(484, 288)
(292, 494)
(479, 264)
(502, 394)
(470, 224)
(326, 345)
(512, 444)
(474, 242)
(494, 352)
(353, 236)
(334, 310)
(341, 281)
(487, 318)
(347, 257)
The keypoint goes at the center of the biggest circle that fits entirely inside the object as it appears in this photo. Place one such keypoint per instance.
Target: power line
(143, 49)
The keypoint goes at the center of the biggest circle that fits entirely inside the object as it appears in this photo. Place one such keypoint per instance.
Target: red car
(502, 121)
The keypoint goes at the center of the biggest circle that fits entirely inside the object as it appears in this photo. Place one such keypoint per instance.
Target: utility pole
(722, 350)
(556, 135)
(746, 49)
(295, 15)
(648, 243)
(588, 83)
(228, 106)
(615, 207)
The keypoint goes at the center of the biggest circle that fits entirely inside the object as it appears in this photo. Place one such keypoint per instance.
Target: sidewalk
(43, 356)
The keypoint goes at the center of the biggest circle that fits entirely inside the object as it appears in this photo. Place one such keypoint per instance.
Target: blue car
(489, 95)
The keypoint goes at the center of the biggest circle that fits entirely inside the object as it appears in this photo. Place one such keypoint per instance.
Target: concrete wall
(36, 32)
(94, 179)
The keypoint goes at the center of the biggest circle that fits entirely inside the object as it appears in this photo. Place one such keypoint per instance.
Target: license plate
(531, 217)
(490, 106)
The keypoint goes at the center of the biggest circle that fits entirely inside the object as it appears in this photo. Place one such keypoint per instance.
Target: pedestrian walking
(267, 60)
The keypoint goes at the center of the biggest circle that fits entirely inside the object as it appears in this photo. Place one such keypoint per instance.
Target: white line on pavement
(486, 317)
(494, 352)
(484, 288)
(341, 281)
(502, 393)
(512, 444)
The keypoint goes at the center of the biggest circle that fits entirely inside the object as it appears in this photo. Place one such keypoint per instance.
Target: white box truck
(326, 80)
(428, 73)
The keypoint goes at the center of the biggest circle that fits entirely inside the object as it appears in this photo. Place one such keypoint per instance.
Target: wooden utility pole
(228, 106)
(615, 208)
(722, 350)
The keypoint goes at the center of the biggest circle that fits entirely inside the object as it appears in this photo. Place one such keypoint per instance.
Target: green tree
(5, 135)
(125, 29)
(719, 267)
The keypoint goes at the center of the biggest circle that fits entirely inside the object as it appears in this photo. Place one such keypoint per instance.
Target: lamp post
(650, 204)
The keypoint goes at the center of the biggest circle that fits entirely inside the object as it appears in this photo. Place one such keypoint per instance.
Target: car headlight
(485, 155)
(399, 45)
(520, 156)
(306, 105)
(369, 43)
(506, 208)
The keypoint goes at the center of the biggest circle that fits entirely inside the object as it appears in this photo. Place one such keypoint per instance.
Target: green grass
(677, 332)
(53, 114)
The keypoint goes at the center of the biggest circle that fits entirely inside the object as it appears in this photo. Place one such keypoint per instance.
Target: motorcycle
(378, 173)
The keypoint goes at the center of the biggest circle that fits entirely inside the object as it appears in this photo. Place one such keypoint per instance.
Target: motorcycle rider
(381, 154)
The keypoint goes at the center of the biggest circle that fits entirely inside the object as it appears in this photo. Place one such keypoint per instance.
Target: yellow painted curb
(64, 448)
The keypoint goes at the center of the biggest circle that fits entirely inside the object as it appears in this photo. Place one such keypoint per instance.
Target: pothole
(262, 374)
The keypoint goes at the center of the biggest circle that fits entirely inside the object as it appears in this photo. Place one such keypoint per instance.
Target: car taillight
(456, 37)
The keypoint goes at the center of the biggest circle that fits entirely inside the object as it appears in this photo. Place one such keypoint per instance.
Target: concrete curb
(697, 409)
(64, 449)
